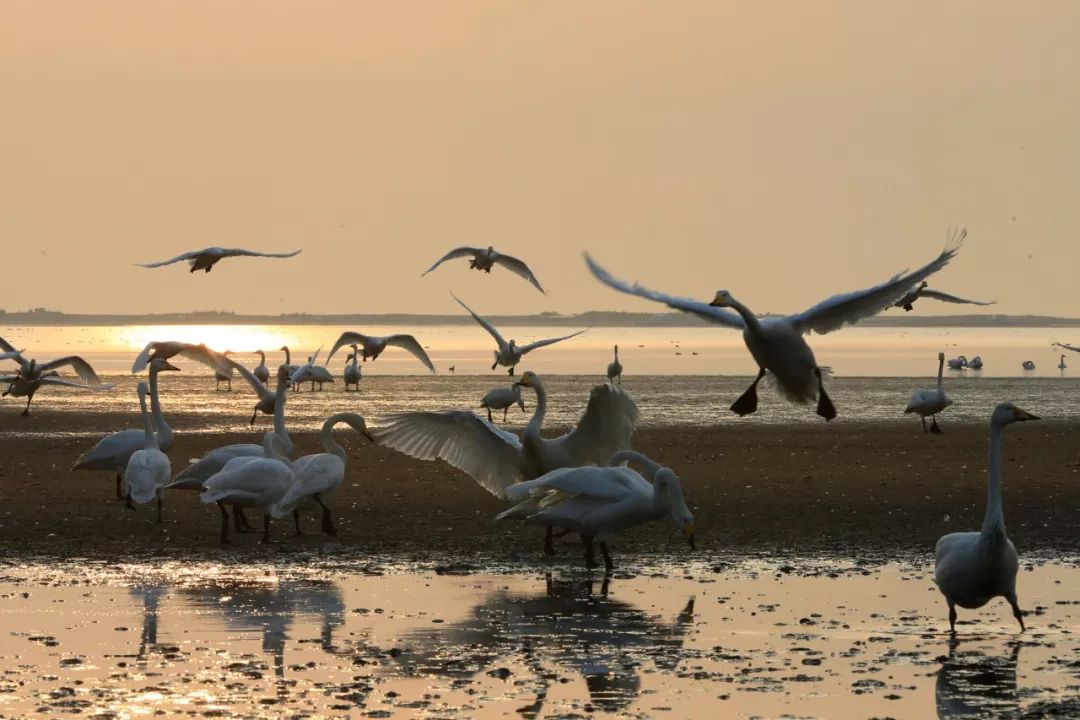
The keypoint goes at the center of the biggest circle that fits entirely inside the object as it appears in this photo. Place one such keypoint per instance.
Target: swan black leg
(825, 408)
(26, 410)
(119, 491)
(296, 522)
(489, 415)
(1017, 613)
(495, 365)
(590, 556)
(934, 428)
(327, 518)
(923, 418)
(509, 372)
(505, 411)
(253, 416)
(952, 618)
(549, 548)
(240, 522)
(608, 565)
(266, 530)
(159, 507)
(747, 402)
(224, 523)
(127, 501)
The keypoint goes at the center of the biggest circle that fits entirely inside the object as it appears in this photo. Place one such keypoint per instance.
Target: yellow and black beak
(716, 303)
(368, 435)
(1024, 415)
(688, 533)
(170, 366)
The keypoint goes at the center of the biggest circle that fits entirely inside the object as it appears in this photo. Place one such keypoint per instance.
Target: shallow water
(743, 639)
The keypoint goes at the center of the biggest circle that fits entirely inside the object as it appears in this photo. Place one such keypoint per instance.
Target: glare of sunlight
(238, 338)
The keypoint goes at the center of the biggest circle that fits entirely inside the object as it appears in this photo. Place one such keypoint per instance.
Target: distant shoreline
(47, 318)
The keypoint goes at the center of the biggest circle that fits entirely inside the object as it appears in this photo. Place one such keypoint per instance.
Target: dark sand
(866, 492)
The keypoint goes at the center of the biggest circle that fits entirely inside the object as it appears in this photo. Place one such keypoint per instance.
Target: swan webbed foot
(1017, 613)
(747, 402)
(908, 308)
(510, 372)
(495, 365)
(934, 427)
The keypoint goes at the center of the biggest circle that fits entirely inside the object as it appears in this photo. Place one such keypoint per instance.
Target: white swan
(509, 354)
(502, 398)
(931, 402)
(194, 475)
(614, 368)
(250, 483)
(319, 475)
(206, 258)
(148, 469)
(776, 342)
(313, 373)
(261, 372)
(496, 458)
(972, 568)
(351, 374)
(374, 346)
(1028, 365)
(114, 451)
(596, 502)
(30, 376)
(958, 363)
(976, 363)
(486, 259)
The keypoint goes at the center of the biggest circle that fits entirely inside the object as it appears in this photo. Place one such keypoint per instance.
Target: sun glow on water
(238, 338)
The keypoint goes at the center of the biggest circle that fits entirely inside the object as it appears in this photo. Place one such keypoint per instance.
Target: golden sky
(782, 150)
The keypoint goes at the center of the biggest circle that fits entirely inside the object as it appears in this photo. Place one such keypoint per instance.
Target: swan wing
(241, 252)
(73, 383)
(256, 385)
(486, 453)
(179, 258)
(605, 427)
(550, 341)
(702, 310)
(1067, 347)
(7, 347)
(455, 253)
(410, 343)
(348, 338)
(598, 483)
(81, 367)
(946, 297)
(483, 323)
(519, 268)
(849, 308)
(112, 451)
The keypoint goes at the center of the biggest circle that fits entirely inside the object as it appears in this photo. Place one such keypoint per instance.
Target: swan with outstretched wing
(206, 258)
(372, 346)
(486, 259)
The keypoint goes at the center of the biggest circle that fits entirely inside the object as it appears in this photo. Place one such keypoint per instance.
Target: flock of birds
(580, 482)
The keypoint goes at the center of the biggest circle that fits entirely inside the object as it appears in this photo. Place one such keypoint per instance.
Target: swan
(596, 502)
(776, 342)
(113, 451)
(374, 346)
(251, 482)
(486, 259)
(975, 363)
(318, 475)
(1028, 365)
(168, 349)
(220, 377)
(1063, 346)
(931, 402)
(509, 354)
(194, 475)
(351, 373)
(958, 363)
(921, 291)
(1062, 365)
(30, 376)
(497, 459)
(614, 368)
(206, 258)
(268, 401)
(261, 372)
(148, 469)
(502, 398)
(314, 374)
(972, 568)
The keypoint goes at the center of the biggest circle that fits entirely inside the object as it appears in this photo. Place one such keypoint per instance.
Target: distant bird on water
(486, 259)
(1028, 365)
(958, 363)
(776, 342)
(1062, 365)
(206, 258)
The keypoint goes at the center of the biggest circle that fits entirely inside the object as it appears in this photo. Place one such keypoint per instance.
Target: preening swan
(148, 469)
(485, 260)
(206, 258)
(374, 346)
(958, 363)
(251, 482)
(317, 476)
(975, 363)
(496, 458)
(614, 368)
(113, 451)
(509, 354)
(973, 568)
(596, 502)
(931, 402)
(1028, 365)
(30, 376)
(261, 372)
(351, 373)
(502, 398)
(776, 342)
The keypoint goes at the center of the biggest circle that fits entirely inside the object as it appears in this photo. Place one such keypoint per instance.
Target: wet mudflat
(312, 639)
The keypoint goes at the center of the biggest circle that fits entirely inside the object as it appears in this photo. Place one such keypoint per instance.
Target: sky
(784, 151)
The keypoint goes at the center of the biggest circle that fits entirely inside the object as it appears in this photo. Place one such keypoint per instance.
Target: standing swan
(614, 368)
(973, 568)
(931, 402)
(261, 372)
(351, 373)
(318, 475)
(776, 342)
(251, 482)
(1062, 365)
(148, 469)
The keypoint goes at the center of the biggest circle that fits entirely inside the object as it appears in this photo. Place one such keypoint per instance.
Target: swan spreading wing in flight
(206, 258)
(1063, 346)
(486, 259)
(921, 291)
(931, 402)
(509, 354)
(168, 349)
(30, 376)
(973, 568)
(496, 458)
(373, 346)
(595, 502)
(776, 342)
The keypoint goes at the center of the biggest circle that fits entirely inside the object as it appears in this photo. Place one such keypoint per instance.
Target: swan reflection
(973, 684)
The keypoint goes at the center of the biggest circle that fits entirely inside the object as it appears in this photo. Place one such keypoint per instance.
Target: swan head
(161, 364)
(528, 379)
(723, 299)
(1006, 413)
(667, 482)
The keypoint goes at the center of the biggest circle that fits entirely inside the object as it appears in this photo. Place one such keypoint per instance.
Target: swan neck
(994, 521)
(326, 437)
(537, 420)
(149, 441)
(279, 416)
(940, 374)
(163, 428)
(748, 317)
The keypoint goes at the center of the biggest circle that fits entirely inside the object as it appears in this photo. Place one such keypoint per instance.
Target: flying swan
(372, 346)
(486, 259)
(206, 258)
